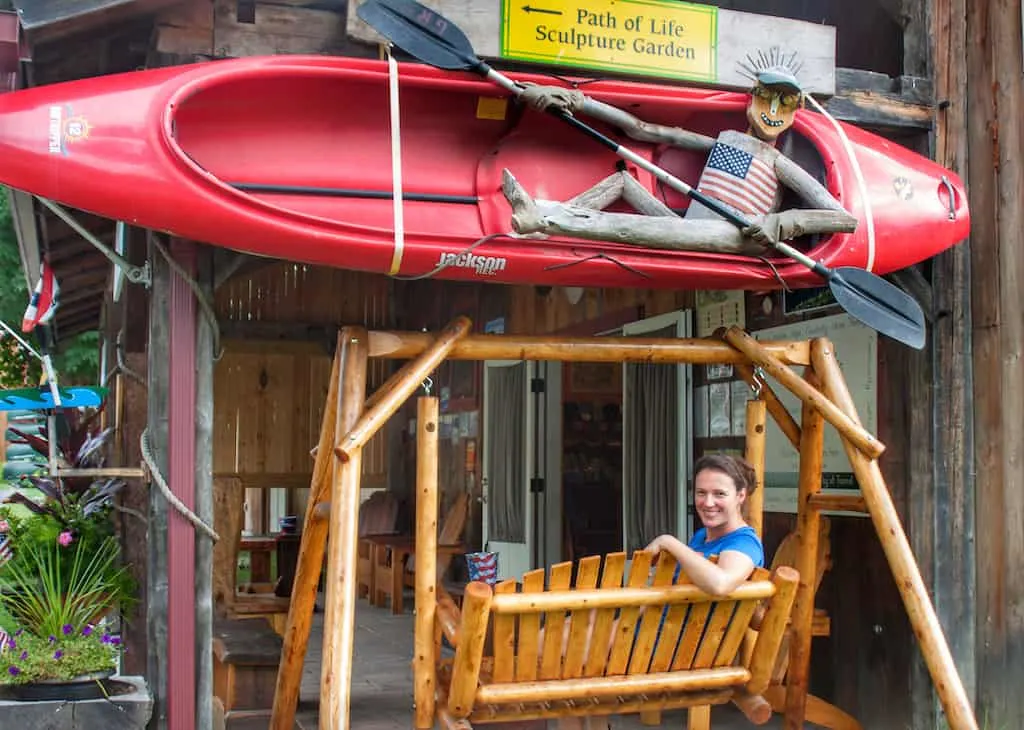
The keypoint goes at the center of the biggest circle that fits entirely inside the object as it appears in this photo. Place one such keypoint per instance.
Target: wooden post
(308, 564)
(757, 414)
(158, 377)
(405, 345)
(340, 608)
(808, 524)
(424, 660)
(204, 497)
(476, 609)
(883, 513)
(942, 511)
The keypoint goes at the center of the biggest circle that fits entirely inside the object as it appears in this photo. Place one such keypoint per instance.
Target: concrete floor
(382, 688)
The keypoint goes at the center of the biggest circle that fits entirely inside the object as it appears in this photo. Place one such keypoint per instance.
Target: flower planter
(129, 707)
(86, 687)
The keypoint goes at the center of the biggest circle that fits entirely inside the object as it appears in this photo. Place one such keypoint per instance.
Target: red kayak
(290, 157)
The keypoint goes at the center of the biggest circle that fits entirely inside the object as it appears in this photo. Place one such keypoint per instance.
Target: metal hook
(428, 383)
(758, 382)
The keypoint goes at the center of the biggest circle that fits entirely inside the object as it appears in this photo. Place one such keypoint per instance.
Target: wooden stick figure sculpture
(745, 170)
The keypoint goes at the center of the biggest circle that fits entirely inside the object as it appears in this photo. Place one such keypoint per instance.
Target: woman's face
(716, 498)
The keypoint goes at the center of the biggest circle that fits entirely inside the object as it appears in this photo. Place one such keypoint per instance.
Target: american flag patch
(739, 180)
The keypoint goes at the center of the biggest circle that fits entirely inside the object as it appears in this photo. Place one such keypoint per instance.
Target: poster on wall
(856, 349)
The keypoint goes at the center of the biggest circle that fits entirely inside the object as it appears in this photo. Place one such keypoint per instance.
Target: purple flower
(115, 641)
(68, 629)
(13, 671)
(19, 632)
(11, 644)
(58, 654)
(106, 638)
(52, 638)
(65, 538)
(24, 656)
(87, 631)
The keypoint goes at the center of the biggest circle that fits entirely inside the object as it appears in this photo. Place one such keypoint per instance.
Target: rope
(204, 305)
(396, 164)
(147, 457)
(857, 173)
(121, 366)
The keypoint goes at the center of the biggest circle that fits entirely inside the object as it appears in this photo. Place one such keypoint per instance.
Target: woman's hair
(734, 467)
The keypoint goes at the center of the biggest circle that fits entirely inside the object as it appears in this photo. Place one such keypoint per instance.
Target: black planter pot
(85, 687)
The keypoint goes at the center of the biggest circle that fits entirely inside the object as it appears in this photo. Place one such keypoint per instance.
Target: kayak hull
(291, 157)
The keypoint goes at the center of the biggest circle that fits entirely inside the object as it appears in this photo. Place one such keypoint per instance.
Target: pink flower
(65, 538)
(4, 526)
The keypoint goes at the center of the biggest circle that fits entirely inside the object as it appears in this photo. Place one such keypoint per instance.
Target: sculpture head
(773, 103)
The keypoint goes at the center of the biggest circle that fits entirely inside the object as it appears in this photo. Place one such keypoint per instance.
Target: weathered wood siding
(269, 399)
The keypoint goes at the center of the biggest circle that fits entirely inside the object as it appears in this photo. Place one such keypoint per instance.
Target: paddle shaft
(666, 177)
(274, 189)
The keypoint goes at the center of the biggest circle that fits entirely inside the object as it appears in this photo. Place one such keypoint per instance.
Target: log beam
(424, 659)
(342, 553)
(920, 611)
(307, 571)
(406, 345)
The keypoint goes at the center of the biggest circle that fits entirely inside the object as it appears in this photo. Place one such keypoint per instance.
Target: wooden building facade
(941, 76)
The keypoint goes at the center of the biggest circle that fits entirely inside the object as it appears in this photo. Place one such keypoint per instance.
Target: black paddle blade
(420, 32)
(879, 304)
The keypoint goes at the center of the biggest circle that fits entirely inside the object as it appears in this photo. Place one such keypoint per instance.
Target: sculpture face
(771, 110)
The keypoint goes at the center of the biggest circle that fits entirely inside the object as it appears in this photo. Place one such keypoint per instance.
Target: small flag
(5, 549)
(739, 179)
(44, 302)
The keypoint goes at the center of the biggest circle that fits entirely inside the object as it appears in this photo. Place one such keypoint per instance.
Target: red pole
(181, 625)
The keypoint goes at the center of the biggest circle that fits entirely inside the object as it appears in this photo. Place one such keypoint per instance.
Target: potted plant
(61, 574)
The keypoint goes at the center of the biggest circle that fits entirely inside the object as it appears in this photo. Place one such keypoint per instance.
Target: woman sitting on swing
(721, 486)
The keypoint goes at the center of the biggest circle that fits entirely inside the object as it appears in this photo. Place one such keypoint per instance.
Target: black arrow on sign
(528, 9)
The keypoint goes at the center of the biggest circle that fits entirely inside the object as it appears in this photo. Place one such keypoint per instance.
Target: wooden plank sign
(665, 39)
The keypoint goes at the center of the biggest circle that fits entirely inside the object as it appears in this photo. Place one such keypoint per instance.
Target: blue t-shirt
(743, 540)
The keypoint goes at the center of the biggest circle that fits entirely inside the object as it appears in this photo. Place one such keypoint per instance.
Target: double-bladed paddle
(433, 39)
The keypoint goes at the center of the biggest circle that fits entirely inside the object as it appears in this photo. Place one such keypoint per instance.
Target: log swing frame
(350, 419)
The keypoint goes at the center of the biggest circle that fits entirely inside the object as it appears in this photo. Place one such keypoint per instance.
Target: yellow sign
(649, 37)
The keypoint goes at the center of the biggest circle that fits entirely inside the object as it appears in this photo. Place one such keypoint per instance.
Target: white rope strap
(396, 164)
(147, 457)
(862, 187)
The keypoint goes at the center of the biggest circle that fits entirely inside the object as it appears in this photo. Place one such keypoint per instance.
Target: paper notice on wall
(740, 396)
(719, 309)
(720, 415)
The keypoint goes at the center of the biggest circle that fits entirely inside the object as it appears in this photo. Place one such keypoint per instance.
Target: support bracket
(135, 274)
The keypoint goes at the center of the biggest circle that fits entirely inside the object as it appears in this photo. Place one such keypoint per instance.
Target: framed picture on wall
(593, 378)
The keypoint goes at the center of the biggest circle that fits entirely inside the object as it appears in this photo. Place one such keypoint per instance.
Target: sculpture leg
(662, 229)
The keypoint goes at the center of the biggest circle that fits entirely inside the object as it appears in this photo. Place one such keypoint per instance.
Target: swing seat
(601, 648)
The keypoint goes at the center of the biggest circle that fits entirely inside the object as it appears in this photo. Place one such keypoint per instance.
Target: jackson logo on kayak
(483, 265)
(65, 128)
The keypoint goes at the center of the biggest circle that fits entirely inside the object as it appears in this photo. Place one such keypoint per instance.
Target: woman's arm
(719, 579)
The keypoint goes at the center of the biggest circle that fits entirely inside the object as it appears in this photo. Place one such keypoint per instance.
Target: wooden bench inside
(611, 642)
(246, 655)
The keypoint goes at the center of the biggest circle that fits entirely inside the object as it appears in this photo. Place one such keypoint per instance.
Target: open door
(508, 520)
(656, 439)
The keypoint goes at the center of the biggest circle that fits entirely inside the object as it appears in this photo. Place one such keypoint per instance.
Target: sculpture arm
(573, 101)
(646, 131)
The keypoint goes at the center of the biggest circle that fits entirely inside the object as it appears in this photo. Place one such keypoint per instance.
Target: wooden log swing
(527, 679)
